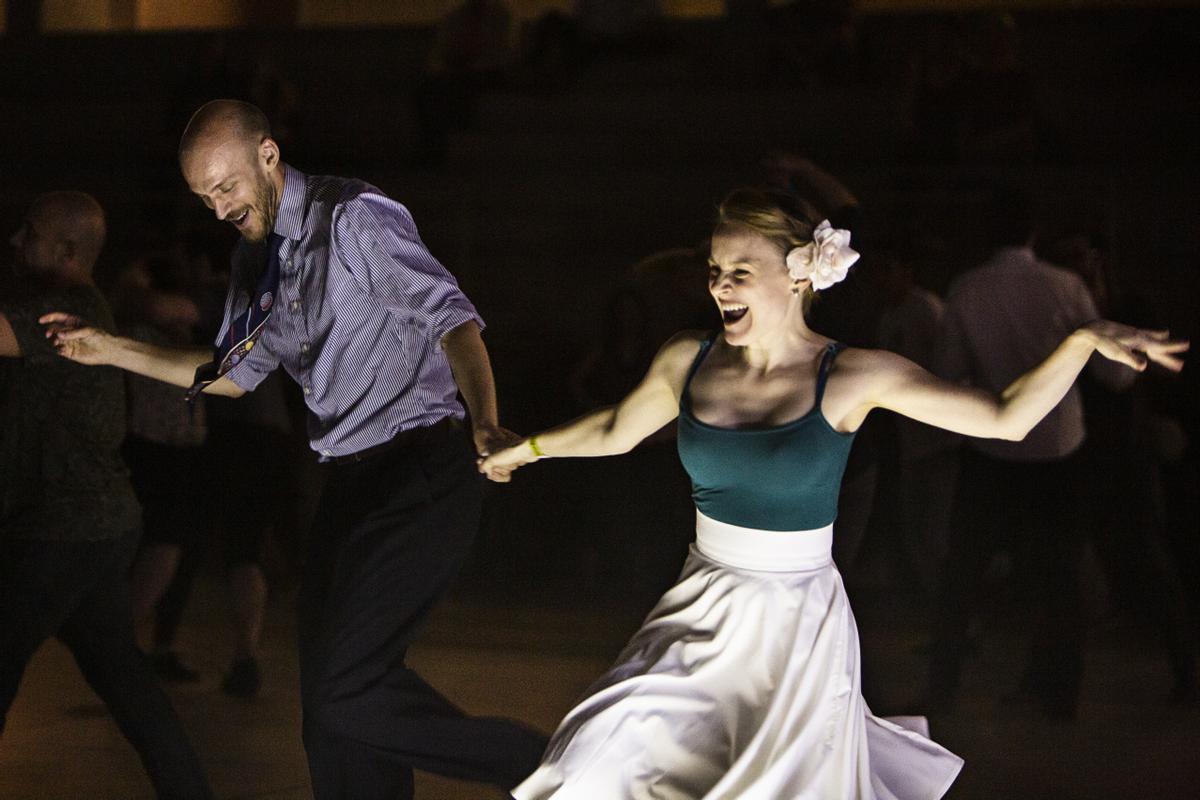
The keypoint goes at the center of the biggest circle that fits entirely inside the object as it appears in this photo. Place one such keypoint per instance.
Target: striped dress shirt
(359, 316)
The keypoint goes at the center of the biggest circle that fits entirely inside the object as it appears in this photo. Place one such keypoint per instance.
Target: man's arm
(472, 370)
(174, 365)
(9, 346)
(376, 240)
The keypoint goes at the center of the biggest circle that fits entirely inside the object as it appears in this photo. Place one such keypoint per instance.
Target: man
(68, 516)
(332, 282)
(1002, 318)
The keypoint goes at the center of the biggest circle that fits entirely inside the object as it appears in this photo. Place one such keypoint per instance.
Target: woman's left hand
(500, 466)
(1137, 347)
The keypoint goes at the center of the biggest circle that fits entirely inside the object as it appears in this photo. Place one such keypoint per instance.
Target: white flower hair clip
(825, 260)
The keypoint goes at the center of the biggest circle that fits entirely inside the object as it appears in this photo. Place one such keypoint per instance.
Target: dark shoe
(169, 668)
(244, 679)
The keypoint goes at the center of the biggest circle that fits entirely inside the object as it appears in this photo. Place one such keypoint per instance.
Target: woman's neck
(791, 344)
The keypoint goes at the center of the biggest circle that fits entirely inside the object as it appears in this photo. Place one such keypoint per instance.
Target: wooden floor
(531, 663)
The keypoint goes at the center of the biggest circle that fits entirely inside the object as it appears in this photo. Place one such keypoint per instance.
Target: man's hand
(78, 341)
(490, 438)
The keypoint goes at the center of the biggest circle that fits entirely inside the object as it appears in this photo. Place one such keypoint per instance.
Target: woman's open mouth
(732, 313)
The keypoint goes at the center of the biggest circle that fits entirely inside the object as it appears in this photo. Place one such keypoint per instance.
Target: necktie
(245, 328)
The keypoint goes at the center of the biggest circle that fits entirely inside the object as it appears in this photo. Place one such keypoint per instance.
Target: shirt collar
(290, 219)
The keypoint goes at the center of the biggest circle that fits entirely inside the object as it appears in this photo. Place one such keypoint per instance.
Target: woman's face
(748, 278)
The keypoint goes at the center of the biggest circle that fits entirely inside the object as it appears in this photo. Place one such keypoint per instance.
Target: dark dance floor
(532, 662)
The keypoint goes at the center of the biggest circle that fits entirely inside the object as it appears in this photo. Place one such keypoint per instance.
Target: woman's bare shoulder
(676, 355)
(684, 345)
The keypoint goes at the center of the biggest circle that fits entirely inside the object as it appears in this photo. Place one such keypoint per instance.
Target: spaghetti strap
(705, 346)
(831, 353)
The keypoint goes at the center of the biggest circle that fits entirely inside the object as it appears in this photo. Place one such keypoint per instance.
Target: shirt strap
(827, 359)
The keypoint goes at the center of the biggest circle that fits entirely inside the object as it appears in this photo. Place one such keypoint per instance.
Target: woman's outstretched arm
(613, 429)
(889, 381)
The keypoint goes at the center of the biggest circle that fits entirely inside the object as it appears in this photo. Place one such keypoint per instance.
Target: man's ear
(65, 251)
(268, 152)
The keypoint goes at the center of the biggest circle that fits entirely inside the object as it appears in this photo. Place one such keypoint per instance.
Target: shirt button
(308, 390)
(295, 305)
(304, 347)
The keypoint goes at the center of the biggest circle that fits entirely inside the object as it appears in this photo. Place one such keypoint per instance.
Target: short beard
(268, 203)
(267, 208)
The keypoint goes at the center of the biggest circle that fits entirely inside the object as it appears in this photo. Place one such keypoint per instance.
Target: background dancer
(69, 520)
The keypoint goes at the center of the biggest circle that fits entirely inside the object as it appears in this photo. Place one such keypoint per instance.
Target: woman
(744, 680)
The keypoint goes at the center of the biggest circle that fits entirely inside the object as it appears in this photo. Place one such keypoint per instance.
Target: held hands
(1136, 347)
(499, 466)
(490, 437)
(76, 340)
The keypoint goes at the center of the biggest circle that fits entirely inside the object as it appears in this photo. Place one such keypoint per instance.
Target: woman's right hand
(499, 466)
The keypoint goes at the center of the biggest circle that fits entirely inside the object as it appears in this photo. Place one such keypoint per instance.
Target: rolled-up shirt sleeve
(257, 364)
(376, 240)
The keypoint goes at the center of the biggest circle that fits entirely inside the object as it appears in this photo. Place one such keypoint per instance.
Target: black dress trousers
(389, 535)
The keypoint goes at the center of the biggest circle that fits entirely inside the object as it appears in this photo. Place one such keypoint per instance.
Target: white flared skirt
(742, 684)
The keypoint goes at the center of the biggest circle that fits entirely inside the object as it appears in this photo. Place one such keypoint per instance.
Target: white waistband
(765, 551)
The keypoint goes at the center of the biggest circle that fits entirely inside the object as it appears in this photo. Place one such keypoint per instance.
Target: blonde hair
(783, 219)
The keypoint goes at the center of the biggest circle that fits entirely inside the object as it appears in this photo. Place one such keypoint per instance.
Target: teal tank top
(782, 478)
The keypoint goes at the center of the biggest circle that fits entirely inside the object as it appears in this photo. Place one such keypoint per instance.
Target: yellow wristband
(533, 445)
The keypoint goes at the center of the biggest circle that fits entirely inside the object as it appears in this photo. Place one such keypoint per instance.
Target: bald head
(220, 121)
(232, 164)
(63, 233)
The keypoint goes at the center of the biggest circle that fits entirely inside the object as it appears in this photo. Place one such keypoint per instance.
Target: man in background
(69, 521)
(1002, 318)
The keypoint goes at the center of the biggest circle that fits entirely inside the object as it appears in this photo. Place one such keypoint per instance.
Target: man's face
(233, 179)
(37, 244)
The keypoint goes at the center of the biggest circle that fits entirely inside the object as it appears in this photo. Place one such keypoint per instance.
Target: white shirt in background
(1003, 318)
